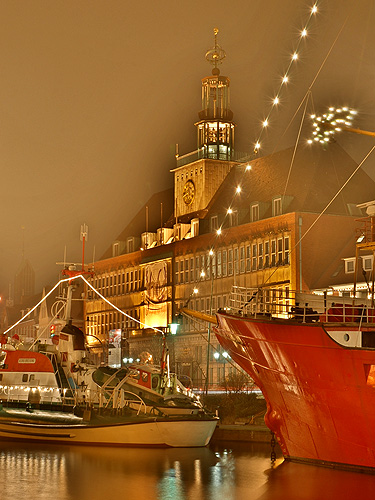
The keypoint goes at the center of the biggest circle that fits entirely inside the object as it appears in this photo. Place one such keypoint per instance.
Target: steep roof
(137, 225)
(315, 177)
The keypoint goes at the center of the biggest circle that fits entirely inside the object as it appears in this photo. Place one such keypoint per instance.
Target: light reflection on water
(47, 472)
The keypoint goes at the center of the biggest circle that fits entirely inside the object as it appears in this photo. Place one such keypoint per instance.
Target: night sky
(94, 95)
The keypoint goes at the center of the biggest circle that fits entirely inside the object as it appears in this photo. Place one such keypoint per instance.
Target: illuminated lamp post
(223, 358)
(173, 328)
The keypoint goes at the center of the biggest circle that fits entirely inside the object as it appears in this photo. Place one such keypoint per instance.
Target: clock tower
(199, 174)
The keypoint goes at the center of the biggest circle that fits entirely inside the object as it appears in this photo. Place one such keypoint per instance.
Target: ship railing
(120, 399)
(22, 393)
(114, 398)
(114, 395)
(306, 307)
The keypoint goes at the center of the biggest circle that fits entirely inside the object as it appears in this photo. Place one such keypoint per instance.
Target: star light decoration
(327, 125)
(335, 120)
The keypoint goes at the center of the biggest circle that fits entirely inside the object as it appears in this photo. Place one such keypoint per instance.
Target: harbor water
(231, 472)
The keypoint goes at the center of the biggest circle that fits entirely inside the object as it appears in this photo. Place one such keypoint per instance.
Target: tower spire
(215, 55)
(216, 128)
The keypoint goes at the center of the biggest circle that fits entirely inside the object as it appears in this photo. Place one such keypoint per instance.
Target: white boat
(102, 429)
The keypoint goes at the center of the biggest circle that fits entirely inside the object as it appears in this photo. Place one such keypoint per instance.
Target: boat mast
(366, 242)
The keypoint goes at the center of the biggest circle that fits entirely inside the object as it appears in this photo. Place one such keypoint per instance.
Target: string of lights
(276, 100)
(36, 306)
(80, 276)
(118, 309)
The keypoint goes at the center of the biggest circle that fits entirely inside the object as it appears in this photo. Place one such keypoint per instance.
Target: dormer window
(214, 223)
(254, 212)
(115, 249)
(233, 218)
(130, 245)
(277, 206)
(194, 227)
(367, 262)
(349, 265)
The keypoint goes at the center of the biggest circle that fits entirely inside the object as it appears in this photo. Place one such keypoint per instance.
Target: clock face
(188, 192)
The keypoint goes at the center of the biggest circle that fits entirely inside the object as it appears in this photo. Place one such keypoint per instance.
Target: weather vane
(215, 55)
(335, 120)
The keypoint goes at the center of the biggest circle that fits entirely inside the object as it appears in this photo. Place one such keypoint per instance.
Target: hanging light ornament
(335, 120)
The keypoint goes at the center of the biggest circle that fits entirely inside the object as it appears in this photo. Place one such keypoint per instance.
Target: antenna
(93, 257)
(84, 237)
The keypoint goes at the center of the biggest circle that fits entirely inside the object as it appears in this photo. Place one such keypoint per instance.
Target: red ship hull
(320, 394)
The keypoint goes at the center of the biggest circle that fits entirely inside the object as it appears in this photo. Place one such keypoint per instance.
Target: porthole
(346, 337)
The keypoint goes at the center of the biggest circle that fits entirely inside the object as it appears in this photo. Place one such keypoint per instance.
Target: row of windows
(118, 284)
(277, 209)
(252, 257)
(366, 261)
(185, 177)
(25, 376)
(100, 324)
(232, 214)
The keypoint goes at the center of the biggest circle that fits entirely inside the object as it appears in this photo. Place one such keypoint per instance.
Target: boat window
(155, 382)
(2, 359)
(24, 377)
(1, 377)
(144, 377)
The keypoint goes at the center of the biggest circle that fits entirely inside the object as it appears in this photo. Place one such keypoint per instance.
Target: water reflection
(64, 473)
(37, 472)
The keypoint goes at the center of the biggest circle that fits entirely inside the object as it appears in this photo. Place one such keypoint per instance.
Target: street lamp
(173, 328)
(225, 356)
